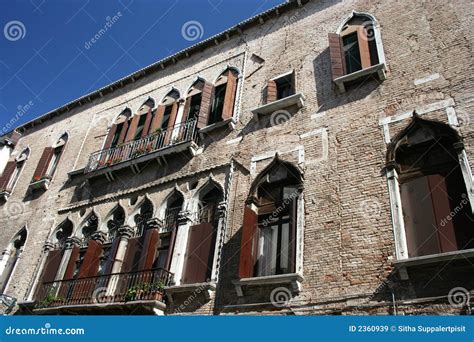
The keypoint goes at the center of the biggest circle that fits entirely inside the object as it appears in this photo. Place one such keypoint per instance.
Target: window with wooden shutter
(229, 99)
(43, 164)
(132, 256)
(432, 188)
(148, 253)
(199, 254)
(171, 122)
(90, 265)
(7, 175)
(157, 119)
(51, 267)
(336, 54)
(111, 136)
(206, 103)
(71, 265)
(133, 128)
(147, 124)
(248, 251)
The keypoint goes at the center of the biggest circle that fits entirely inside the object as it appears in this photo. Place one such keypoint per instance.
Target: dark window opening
(374, 56)
(217, 104)
(140, 127)
(351, 53)
(166, 117)
(285, 86)
(116, 138)
(162, 253)
(194, 107)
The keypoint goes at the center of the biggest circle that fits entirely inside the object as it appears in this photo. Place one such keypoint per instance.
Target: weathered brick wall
(348, 234)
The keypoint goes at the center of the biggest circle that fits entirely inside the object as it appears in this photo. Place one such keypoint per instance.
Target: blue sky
(47, 56)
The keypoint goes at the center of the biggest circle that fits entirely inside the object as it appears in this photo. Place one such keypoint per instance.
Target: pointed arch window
(224, 95)
(10, 258)
(12, 172)
(437, 214)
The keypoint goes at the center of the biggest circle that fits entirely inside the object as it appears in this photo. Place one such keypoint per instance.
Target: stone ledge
(205, 288)
(378, 69)
(294, 279)
(296, 99)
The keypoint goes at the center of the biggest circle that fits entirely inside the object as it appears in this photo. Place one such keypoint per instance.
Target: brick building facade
(314, 159)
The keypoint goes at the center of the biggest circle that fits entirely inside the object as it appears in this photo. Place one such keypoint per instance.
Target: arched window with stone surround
(437, 214)
(118, 130)
(10, 258)
(12, 173)
(356, 50)
(269, 233)
(201, 244)
(223, 97)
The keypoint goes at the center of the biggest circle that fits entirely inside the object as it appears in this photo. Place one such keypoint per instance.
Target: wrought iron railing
(178, 134)
(171, 220)
(111, 288)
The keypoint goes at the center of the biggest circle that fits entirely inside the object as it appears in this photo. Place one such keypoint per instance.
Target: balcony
(181, 138)
(112, 292)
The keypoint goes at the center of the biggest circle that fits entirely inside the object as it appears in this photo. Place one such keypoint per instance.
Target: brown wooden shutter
(71, 265)
(110, 136)
(158, 118)
(133, 128)
(132, 256)
(271, 91)
(442, 210)
(229, 99)
(337, 56)
(90, 265)
(43, 163)
(50, 270)
(7, 174)
(206, 102)
(363, 47)
(199, 254)
(248, 245)
(123, 132)
(169, 129)
(148, 253)
(147, 124)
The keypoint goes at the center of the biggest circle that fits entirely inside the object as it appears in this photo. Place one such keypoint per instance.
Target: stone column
(182, 232)
(221, 213)
(125, 233)
(70, 244)
(47, 247)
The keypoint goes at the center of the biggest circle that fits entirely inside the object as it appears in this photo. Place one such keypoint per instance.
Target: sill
(205, 288)
(403, 264)
(75, 173)
(294, 279)
(378, 69)
(5, 195)
(229, 122)
(296, 99)
(42, 184)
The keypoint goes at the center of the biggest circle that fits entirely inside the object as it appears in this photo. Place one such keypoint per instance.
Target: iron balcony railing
(171, 220)
(180, 133)
(111, 288)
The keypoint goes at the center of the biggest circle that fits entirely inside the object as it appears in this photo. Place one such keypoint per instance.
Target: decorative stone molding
(48, 246)
(222, 209)
(184, 217)
(72, 242)
(99, 236)
(155, 223)
(125, 232)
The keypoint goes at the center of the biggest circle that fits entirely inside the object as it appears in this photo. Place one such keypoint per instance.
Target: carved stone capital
(155, 223)
(222, 208)
(48, 246)
(125, 232)
(72, 242)
(99, 236)
(184, 217)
